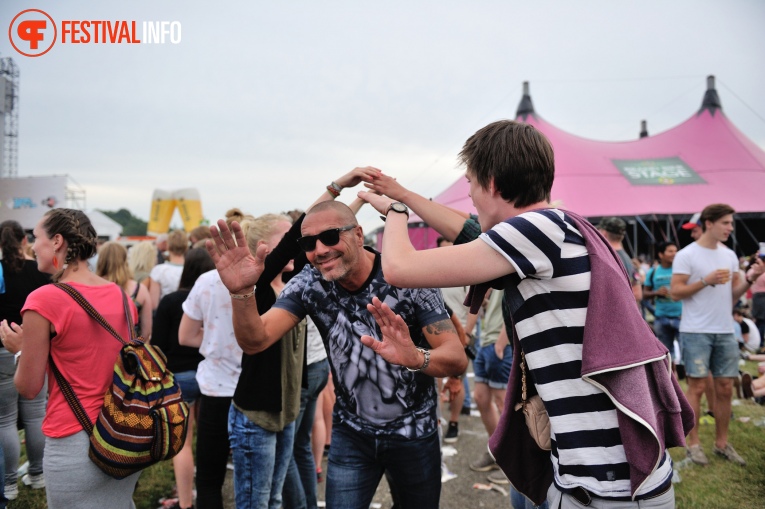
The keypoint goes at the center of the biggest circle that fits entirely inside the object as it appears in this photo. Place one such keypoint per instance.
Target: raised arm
(445, 220)
(742, 284)
(447, 355)
(406, 267)
(239, 270)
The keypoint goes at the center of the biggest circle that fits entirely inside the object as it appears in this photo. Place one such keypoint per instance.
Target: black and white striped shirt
(547, 297)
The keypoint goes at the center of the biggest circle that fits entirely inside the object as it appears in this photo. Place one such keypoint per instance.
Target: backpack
(143, 419)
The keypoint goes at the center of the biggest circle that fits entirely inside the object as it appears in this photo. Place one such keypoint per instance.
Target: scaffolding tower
(9, 114)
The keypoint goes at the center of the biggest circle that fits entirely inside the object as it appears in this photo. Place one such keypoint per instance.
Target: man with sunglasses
(385, 416)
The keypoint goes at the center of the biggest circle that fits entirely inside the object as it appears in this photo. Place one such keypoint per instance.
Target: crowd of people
(286, 334)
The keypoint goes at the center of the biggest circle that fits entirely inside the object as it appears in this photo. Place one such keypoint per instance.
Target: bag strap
(523, 380)
(71, 398)
(83, 302)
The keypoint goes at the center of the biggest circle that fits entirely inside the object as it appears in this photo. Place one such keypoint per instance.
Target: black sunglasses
(328, 237)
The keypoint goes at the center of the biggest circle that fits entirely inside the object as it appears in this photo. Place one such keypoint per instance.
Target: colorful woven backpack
(144, 418)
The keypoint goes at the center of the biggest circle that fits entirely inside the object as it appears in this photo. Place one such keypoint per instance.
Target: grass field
(720, 485)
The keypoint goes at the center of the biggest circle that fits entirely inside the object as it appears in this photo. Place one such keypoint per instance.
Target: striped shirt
(547, 298)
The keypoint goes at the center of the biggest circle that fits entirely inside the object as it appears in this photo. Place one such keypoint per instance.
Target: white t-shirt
(168, 275)
(210, 303)
(753, 344)
(708, 310)
(455, 299)
(314, 344)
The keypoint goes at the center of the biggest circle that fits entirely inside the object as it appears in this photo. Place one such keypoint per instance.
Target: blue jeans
(3, 500)
(666, 329)
(357, 462)
(30, 411)
(518, 501)
(300, 484)
(187, 381)
(261, 459)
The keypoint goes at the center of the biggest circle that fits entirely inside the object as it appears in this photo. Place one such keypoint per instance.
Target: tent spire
(643, 129)
(711, 100)
(526, 107)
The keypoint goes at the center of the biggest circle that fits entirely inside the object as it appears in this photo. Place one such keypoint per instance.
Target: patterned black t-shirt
(373, 397)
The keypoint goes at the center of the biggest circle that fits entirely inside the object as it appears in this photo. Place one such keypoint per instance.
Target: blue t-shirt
(373, 397)
(666, 307)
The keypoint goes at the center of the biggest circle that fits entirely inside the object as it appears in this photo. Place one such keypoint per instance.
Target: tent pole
(751, 235)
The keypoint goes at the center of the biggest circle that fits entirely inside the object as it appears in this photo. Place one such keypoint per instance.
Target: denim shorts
(705, 352)
(187, 380)
(490, 369)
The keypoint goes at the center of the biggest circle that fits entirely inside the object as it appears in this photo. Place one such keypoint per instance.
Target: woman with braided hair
(21, 278)
(56, 327)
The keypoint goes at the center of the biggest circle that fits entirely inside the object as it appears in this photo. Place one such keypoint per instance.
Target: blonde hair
(237, 215)
(112, 264)
(177, 242)
(142, 257)
(261, 228)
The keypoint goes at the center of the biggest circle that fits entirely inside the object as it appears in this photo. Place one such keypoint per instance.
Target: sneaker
(746, 386)
(319, 476)
(696, 453)
(11, 491)
(498, 477)
(452, 434)
(730, 454)
(36, 482)
(484, 463)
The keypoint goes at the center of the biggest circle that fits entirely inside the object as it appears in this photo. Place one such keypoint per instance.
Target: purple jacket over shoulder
(621, 356)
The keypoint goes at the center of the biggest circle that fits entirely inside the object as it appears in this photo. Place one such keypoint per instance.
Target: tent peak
(526, 107)
(643, 129)
(711, 100)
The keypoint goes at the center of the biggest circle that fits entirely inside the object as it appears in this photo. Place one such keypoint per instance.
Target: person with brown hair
(572, 317)
(56, 327)
(21, 278)
(166, 276)
(705, 277)
(113, 266)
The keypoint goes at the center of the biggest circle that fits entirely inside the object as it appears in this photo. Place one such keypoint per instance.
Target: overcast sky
(262, 104)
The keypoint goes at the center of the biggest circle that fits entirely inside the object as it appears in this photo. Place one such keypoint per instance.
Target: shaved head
(342, 211)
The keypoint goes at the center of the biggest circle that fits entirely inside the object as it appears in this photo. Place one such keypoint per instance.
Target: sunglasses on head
(328, 237)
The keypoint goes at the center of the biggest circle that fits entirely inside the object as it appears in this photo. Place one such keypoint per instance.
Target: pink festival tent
(704, 160)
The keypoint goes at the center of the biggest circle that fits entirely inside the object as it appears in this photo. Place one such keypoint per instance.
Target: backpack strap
(71, 398)
(83, 302)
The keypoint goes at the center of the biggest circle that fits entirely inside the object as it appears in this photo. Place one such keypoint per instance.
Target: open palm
(239, 270)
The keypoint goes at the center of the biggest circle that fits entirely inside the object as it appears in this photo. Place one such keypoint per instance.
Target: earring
(55, 262)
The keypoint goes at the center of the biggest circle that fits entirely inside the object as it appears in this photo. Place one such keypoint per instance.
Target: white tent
(105, 226)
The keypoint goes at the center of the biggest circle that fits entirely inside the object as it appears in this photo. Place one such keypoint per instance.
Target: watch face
(398, 207)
